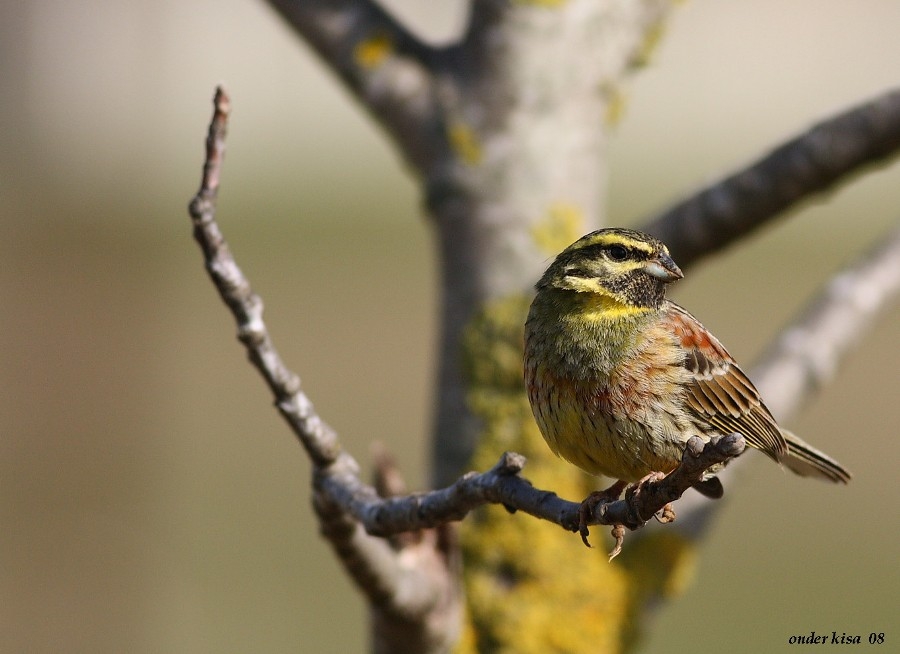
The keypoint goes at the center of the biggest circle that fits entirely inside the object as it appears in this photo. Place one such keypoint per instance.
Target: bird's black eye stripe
(612, 251)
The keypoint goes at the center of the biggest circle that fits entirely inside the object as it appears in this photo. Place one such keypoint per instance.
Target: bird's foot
(594, 500)
(634, 519)
(665, 514)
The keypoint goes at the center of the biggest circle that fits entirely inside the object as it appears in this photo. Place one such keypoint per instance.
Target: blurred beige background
(151, 499)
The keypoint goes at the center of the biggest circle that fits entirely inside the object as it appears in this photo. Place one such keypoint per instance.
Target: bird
(619, 377)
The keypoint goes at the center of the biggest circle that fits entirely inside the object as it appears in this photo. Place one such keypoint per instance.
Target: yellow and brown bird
(619, 377)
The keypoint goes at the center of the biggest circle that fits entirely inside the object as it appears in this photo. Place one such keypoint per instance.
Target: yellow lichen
(652, 37)
(371, 52)
(464, 142)
(561, 225)
(532, 587)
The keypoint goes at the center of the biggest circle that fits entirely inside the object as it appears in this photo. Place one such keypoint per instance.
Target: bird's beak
(663, 268)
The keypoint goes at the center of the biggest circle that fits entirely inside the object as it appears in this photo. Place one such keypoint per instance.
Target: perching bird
(619, 377)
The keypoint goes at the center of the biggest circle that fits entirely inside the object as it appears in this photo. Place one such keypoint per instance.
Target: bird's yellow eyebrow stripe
(616, 239)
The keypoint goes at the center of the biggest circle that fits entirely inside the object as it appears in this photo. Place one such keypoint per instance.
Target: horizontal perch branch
(503, 485)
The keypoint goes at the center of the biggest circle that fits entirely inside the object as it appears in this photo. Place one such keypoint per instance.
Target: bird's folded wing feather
(719, 392)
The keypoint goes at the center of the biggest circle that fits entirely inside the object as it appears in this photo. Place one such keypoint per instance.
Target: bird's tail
(805, 460)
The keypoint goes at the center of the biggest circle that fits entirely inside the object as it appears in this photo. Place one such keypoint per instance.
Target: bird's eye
(617, 253)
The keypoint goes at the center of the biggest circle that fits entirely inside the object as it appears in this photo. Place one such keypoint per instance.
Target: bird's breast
(606, 397)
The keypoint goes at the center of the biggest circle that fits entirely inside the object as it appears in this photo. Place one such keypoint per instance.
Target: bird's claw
(611, 494)
(586, 510)
(591, 502)
(666, 514)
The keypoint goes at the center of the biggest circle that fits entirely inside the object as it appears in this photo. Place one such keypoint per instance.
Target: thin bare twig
(317, 438)
(826, 155)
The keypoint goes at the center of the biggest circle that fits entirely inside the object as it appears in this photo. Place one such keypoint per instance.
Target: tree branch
(503, 485)
(389, 70)
(815, 161)
(317, 438)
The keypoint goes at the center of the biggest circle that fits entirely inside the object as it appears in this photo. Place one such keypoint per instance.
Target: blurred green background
(151, 499)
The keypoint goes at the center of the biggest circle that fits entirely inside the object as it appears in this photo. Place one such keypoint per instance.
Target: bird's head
(628, 267)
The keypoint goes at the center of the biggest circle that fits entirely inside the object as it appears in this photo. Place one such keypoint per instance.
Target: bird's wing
(719, 392)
